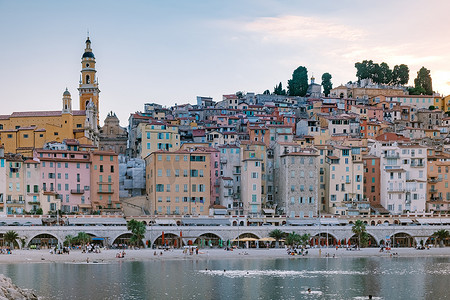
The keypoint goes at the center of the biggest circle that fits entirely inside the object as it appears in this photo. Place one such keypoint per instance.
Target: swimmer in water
(309, 290)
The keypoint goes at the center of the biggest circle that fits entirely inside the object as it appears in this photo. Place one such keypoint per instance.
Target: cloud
(288, 28)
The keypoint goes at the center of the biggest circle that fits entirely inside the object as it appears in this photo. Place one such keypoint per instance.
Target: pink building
(66, 174)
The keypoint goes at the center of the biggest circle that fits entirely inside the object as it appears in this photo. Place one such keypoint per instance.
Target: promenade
(109, 256)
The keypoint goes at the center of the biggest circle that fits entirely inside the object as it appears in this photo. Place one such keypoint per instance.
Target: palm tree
(69, 240)
(138, 229)
(292, 239)
(442, 235)
(304, 239)
(10, 237)
(83, 238)
(277, 234)
(359, 228)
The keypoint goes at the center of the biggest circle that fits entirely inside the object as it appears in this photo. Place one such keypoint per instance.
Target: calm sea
(328, 278)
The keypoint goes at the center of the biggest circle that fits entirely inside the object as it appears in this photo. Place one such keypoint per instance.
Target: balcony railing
(77, 191)
(396, 190)
(434, 180)
(417, 165)
(15, 201)
(392, 155)
(106, 192)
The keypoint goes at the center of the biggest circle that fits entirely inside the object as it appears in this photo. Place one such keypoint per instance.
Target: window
(101, 168)
(112, 169)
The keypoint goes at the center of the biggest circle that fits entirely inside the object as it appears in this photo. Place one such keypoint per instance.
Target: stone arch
(396, 222)
(43, 240)
(372, 223)
(247, 235)
(402, 239)
(321, 239)
(208, 239)
(123, 240)
(170, 239)
(371, 243)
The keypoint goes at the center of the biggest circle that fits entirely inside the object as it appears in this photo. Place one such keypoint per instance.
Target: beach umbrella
(162, 237)
(349, 242)
(339, 242)
(175, 243)
(220, 243)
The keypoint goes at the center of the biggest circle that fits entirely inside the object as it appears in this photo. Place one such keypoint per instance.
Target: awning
(21, 221)
(206, 222)
(267, 239)
(299, 222)
(269, 211)
(98, 239)
(326, 221)
(343, 222)
(220, 212)
(433, 221)
(258, 220)
(97, 221)
(405, 220)
(165, 222)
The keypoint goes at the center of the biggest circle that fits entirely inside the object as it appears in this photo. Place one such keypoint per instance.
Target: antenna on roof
(88, 33)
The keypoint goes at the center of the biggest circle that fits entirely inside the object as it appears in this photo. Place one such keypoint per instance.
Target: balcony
(223, 160)
(34, 203)
(104, 182)
(396, 190)
(434, 180)
(106, 192)
(228, 184)
(391, 155)
(15, 202)
(348, 181)
(433, 190)
(77, 192)
(417, 165)
(435, 198)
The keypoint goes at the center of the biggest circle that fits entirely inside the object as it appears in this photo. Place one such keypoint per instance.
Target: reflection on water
(340, 278)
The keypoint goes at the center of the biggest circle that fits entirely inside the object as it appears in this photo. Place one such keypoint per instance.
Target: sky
(172, 51)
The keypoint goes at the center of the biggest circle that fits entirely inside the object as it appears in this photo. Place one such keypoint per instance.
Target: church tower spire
(67, 102)
(88, 88)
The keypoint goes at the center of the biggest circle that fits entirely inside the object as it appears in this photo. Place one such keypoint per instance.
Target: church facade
(21, 132)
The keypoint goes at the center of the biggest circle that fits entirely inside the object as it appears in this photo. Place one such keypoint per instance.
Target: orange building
(105, 181)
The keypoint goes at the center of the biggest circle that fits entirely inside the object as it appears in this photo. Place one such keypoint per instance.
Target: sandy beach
(109, 256)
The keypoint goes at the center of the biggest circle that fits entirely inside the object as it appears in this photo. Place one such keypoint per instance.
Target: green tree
(417, 91)
(400, 74)
(278, 90)
(277, 234)
(69, 240)
(423, 80)
(10, 237)
(240, 94)
(365, 69)
(138, 229)
(266, 92)
(304, 239)
(359, 228)
(441, 235)
(292, 239)
(83, 238)
(39, 211)
(385, 73)
(298, 85)
(326, 83)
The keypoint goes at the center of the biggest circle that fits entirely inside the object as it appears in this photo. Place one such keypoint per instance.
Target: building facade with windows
(178, 182)
(104, 181)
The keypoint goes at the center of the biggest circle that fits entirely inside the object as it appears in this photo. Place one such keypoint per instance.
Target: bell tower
(88, 88)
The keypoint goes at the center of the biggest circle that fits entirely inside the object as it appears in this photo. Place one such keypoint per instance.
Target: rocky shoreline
(10, 291)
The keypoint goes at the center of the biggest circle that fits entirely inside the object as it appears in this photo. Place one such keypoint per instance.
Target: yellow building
(21, 132)
(446, 104)
(178, 182)
(157, 135)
